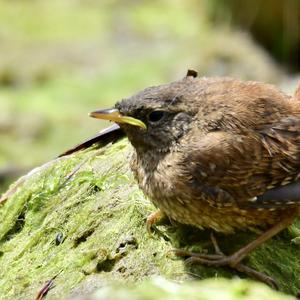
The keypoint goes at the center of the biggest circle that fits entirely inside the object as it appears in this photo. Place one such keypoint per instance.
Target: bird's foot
(219, 259)
(152, 219)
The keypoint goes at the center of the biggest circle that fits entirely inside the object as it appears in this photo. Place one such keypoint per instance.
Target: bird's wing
(282, 141)
(107, 135)
(259, 170)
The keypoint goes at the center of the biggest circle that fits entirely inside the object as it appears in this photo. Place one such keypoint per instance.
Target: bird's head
(155, 118)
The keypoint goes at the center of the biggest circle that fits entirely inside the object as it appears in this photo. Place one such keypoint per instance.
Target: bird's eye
(156, 115)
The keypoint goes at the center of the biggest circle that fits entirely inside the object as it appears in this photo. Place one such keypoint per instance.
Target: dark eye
(156, 116)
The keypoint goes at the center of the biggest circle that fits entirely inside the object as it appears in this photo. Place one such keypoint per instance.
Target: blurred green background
(61, 59)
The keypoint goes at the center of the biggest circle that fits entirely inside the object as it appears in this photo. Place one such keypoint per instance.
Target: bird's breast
(170, 191)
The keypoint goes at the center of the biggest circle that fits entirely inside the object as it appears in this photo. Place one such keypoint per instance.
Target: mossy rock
(209, 289)
(82, 218)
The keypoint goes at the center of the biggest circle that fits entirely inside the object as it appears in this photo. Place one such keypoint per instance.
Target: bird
(216, 153)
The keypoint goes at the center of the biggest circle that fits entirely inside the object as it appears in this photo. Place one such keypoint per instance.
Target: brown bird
(216, 153)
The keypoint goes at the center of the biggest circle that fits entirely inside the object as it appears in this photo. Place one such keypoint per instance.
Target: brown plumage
(216, 153)
(224, 143)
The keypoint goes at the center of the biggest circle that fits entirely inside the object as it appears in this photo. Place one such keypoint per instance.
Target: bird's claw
(152, 219)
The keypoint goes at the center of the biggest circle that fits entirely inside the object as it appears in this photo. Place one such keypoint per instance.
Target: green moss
(92, 204)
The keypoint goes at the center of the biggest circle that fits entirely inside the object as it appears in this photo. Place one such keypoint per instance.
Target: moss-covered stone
(83, 217)
(210, 289)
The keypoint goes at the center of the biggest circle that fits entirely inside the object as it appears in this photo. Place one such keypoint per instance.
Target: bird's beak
(114, 115)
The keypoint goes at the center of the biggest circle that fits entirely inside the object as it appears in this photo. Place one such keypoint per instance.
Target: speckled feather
(239, 140)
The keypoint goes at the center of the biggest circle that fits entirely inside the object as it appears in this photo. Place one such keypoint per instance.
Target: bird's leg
(234, 260)
(216, 245)
(153, 218)
(239, 255)
(198, 258)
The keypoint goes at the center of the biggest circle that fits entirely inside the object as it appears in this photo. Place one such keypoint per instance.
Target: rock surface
(82, 218)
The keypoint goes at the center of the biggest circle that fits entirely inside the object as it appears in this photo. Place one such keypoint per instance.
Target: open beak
(114, 115)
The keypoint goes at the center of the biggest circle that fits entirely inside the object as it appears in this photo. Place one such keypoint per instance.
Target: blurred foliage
(275, 24)
(61, 59)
